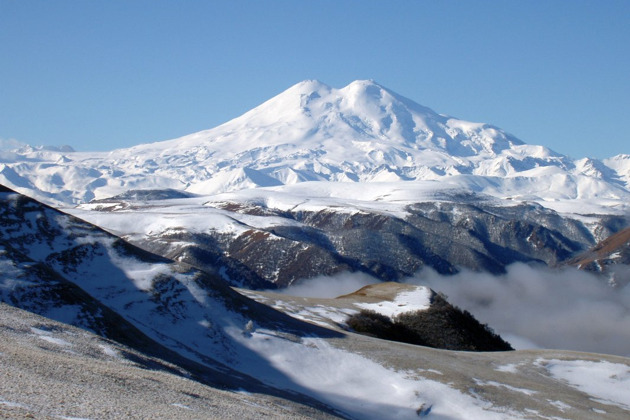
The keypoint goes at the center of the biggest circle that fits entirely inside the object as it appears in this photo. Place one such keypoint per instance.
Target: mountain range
(447, 193)
(164, 255)
(312, 132)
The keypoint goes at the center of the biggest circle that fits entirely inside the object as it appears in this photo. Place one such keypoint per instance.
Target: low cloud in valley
(530, 306)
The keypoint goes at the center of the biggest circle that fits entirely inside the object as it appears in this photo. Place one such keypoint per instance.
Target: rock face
(610, 257)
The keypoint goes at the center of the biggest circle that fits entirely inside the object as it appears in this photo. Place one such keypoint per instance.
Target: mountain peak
(308, 86)
(364, 84)
(359, 88)
(365, 90)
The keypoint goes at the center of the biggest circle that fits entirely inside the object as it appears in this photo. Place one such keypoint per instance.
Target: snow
(355, 384)
(509, 368)
(336, 315)
(12, 404)
(319, 314)
(140, 273)
(9, 272)
(509, 387)
(185, 407)
(406, 301)
(54, 340)
(48, 336)
(110, 351)
(205, 214)
(615, 255)
(559, 405)
(605, 382)
(74, 418)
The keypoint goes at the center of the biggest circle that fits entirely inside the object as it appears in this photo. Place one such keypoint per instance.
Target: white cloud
(540, 307)
(10, 144)
(529, 306)
(329, 286)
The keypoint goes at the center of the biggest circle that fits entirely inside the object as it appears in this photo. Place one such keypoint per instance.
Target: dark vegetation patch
(442, 326)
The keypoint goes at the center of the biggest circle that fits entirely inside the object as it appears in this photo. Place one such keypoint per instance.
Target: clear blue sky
(100, 75)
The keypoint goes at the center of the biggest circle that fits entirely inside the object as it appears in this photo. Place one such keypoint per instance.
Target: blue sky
(100, 75)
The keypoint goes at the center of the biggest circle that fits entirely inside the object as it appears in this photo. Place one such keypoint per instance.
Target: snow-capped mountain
(312, 132)
(315, 181)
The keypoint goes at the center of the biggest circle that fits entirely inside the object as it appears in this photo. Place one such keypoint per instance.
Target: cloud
(329, 286)
(542, 307)
(10, 144)
(529, 306)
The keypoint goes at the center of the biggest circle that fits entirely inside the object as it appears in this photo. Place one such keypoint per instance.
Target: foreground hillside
(52, 370)
(63, 268)
(184, 322)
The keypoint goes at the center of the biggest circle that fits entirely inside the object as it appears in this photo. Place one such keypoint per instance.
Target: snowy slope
(52, 370)
(312, 132)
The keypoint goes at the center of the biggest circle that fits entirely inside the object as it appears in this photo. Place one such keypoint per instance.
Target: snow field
(405, 301)
(355, 384)
(606, 382)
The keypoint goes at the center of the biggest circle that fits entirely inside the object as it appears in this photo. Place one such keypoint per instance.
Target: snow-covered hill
(312, 132)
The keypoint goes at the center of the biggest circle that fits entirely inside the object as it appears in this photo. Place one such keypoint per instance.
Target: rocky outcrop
(610, 256)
